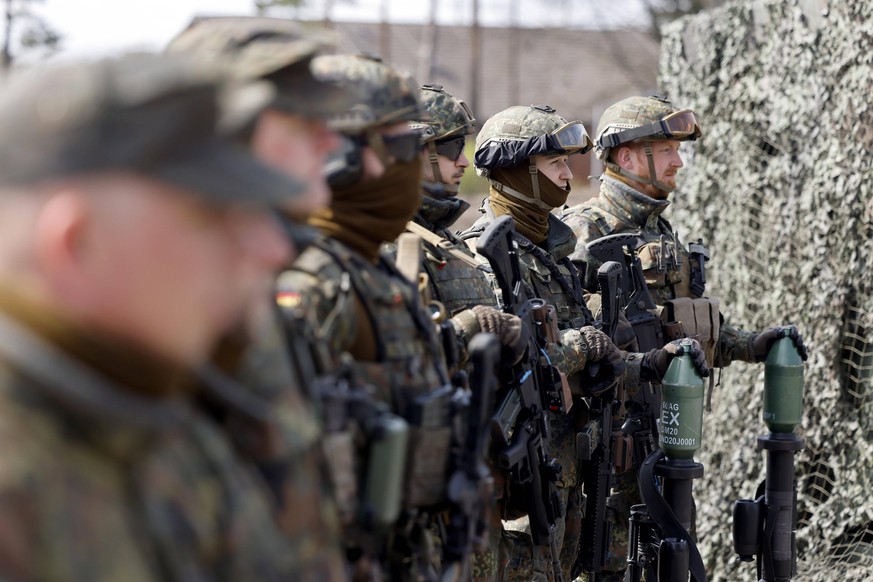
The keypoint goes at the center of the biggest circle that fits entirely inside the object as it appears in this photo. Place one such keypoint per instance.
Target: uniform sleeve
(734, 344)
(326, 305)
(571, 356)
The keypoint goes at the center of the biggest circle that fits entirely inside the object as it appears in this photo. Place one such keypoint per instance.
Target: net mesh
(781, 188)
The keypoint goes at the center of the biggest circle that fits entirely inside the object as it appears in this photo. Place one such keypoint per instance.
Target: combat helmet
(643, 120)
(444, 133)
(385, 94)
(509, 139)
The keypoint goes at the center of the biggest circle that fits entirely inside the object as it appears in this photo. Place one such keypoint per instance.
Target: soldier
(133, 238)
(638, 139)
(373, 325)
(523, 151)
(291, 134)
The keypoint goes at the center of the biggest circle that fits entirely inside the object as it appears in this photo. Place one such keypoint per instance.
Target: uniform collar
(632, 206)
(560, 241)
(438, 212)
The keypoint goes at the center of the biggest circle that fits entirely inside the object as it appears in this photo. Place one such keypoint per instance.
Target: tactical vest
(452, 281)
(665, 261)
(673, 275)
(408, 367)
(557, 282)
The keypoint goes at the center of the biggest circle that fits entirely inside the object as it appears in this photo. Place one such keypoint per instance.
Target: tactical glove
(655, 362)
(761, 343)
(508, 328)
(605, 361)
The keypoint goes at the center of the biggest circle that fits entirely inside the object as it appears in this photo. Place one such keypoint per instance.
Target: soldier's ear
(623, 156)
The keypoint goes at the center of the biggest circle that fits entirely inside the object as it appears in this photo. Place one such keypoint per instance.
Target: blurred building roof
(579, 72)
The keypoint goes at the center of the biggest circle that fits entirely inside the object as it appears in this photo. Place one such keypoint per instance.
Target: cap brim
(226, 173)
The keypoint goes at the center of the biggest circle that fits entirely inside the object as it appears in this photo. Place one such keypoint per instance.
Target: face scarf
(531, 220)
(371, 212)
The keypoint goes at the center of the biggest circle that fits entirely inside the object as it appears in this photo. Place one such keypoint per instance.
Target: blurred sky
(101, 27)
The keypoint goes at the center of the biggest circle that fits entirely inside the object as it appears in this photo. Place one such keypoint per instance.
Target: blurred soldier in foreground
(274, 360)
(132, 239)
(638, 139)
(375, 331)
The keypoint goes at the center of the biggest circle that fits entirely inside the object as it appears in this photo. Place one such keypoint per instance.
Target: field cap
(275, 49)
(154, 115)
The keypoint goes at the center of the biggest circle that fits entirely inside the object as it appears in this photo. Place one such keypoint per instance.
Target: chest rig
(557, 281)
(407, 375)
(675, 275)
(455, 278)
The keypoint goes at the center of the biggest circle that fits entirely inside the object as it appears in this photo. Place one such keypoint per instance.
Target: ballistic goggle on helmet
(512, 136)
(638, 119)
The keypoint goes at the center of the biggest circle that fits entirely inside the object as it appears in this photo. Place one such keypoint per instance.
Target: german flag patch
(288, 299)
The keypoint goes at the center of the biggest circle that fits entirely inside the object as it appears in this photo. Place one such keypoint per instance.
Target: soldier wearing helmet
(457, 288)
(523, 151)
(371, 326)
(638, 139)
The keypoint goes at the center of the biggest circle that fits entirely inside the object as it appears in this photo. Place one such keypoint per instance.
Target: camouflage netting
(782, 187)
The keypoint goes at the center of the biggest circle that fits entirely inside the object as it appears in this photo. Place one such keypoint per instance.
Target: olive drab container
(681, 423)
(783, 387)
(386, 466)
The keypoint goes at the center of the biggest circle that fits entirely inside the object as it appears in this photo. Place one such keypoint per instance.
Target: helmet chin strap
(653, 181)
(434, 160)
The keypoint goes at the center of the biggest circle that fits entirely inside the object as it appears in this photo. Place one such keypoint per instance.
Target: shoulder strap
(444, 244)
(346, 260)
(408, 259)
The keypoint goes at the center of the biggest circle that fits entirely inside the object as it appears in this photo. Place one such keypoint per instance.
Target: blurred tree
(26, 32)
(663, 11)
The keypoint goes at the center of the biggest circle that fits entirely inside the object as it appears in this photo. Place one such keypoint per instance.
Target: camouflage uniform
(668, 267)
(109, 471)
(371, 324)
(102, 483)
(549, 274)
(620, 208)
(288, 451)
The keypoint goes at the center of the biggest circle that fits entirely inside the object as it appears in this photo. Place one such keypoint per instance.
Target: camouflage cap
(511, 136)
(269, 48)
(631, 113)
(449, 116)
(148, 114)
(385, 94)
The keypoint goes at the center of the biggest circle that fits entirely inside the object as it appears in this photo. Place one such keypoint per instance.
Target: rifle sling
(442, 243)
(663, 515)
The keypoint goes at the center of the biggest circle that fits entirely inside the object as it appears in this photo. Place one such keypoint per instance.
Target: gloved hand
(655, 362)
(508, 328)
(762, 342)
(608, 360)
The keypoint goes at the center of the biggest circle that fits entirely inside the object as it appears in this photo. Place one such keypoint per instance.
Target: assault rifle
(637, 303)
(608, 450)
(470, 486)
(533, 387)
